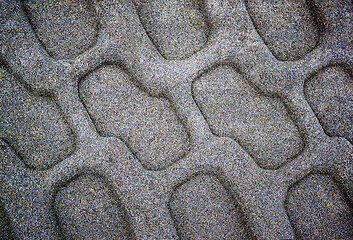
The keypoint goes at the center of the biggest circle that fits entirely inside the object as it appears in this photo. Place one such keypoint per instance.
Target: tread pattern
(234, 109)
(176, 119)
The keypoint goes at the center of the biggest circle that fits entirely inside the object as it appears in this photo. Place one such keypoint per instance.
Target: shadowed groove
(287, 27)
(33, 125)
(177, 28)
(260, 124)
(203, 208)
(318, 209)
(87, 208)
(330, 95)
(65, 28)
(6, 231)
(146, 124)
